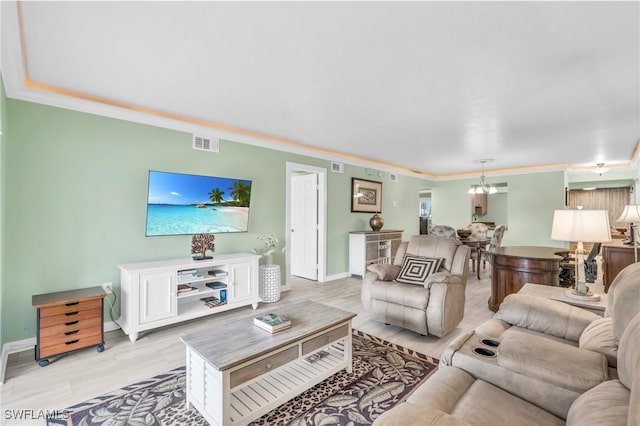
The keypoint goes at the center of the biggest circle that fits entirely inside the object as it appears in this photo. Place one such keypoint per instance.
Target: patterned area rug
(383, 375)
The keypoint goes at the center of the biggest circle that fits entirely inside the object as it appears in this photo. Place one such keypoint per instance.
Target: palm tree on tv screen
(216, 195)
(241, 193)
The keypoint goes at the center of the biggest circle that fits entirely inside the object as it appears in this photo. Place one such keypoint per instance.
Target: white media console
(150, 297)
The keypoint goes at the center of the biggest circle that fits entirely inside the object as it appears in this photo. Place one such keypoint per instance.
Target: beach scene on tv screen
(181, 204)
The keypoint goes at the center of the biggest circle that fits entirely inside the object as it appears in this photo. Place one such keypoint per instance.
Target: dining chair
(443, 231)
(496, 241)
(478, 230)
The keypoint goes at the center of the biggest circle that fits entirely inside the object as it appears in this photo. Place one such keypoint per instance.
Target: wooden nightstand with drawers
(68, 321)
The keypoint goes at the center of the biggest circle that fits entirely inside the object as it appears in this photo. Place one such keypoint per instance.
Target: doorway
(305, 222)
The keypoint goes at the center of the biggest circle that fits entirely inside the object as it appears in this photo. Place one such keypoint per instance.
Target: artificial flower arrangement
(270, 243)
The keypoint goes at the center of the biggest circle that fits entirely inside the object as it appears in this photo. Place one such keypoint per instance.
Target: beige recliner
(434, 305)
(548, 352)
(545, 361)
(452, 396)
(533, 316)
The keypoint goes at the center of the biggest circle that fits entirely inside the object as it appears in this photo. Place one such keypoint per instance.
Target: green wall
(497, 208)
(75, 192)
(3, 130)
(531, 200)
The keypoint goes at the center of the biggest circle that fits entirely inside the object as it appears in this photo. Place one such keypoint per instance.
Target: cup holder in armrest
(490, 342)
(484, 352)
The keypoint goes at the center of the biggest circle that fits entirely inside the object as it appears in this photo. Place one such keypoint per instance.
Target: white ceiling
(426, 86)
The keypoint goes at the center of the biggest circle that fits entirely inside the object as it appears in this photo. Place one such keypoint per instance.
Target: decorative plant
(270, 243)
(200, 243)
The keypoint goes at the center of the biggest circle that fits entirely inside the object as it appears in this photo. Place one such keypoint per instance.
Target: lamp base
(588, 296)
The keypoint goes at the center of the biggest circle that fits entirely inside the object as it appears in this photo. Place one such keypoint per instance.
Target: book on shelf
(187, 275)
(185, 288)
(216, 285)
(316, 356)
(212, 301)
(272, 322)
(218, 273)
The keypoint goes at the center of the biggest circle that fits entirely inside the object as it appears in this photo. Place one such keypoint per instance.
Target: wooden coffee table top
(232, 344)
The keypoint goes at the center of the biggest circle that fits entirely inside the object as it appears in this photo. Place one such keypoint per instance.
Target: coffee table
(238, 372)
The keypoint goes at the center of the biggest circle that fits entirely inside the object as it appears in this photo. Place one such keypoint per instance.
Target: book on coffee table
(272, 322)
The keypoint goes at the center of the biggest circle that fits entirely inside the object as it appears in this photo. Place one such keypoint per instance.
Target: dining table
(479, 244)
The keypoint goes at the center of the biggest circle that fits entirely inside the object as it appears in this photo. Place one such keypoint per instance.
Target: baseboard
(28, 344)
(110, 326)
(334, 277)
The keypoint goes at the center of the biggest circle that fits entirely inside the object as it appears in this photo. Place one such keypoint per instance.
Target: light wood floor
(86, 374)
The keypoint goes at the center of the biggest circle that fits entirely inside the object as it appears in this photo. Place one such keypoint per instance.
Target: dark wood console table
(615, 257)
(513, 267)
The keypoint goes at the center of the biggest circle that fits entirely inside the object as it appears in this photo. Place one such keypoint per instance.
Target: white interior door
(304, 226)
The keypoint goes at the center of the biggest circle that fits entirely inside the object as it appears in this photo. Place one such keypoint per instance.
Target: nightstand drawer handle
(69, 333)
(72, 342)
(71, 322)
(72, 313)
(71, 303)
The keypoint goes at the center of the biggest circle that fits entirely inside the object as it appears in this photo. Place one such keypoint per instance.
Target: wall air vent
(393, 177)
(337, 167)
(202, 143)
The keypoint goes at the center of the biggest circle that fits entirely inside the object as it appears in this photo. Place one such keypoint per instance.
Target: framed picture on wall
(366, 196)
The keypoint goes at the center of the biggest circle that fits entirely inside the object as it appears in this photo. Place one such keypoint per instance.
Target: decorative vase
(376, 222)
(268, 259)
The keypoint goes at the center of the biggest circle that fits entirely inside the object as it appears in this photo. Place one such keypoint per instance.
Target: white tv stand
(149, 295)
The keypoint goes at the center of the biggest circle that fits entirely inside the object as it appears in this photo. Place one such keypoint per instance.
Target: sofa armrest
(446, 358)
(445, 308)
(443, 277)
(384, 272)
(545, 316)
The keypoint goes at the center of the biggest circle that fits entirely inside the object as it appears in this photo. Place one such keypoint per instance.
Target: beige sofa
(541, 318)
(452, 396)
(432, 306)
(541, 359)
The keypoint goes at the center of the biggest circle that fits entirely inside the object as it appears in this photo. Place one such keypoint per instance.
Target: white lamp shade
(587, 226)
(630, 214)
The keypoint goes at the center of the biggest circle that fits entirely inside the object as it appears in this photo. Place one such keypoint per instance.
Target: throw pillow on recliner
(384, 271)
(416, 269)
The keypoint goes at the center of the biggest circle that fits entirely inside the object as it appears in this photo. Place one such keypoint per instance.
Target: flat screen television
(181, 204)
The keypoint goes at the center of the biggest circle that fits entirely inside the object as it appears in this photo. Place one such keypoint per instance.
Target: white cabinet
(240, 282)
(157, 299)
(155, 294)
(368, 248)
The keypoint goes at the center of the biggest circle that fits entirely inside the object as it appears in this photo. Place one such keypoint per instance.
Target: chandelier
(482, 187)
(600, 169)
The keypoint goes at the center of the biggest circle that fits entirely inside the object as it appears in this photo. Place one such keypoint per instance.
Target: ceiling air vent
(337, 167)
(202, 143)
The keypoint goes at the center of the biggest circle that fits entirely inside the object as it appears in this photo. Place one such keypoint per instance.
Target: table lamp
(631, 215)
(581, 226)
